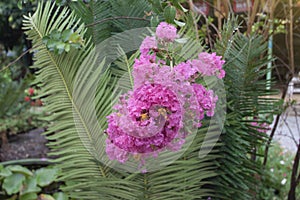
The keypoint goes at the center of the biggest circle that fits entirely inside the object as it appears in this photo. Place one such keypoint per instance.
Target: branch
(88, 25)
(291, 132)
(114, 18)
(17, 59)
(191, 5)
(294, 178)
(296, 116)
(192, 8)
(291, 39)
(288, 136)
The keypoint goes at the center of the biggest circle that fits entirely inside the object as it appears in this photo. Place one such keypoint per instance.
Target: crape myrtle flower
(149, 120)
(166, 32)
(149, 43)
(209, 65)
(164, 101)
(206, 99)
(261, 127)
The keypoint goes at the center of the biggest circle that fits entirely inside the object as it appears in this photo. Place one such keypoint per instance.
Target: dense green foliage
(16, 115)
(12, 40)
(275, 178)
(19, 182)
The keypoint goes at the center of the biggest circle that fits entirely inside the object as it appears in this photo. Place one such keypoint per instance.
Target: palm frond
(73, 139)
(105, 18)
(247, 101)
(136, 10)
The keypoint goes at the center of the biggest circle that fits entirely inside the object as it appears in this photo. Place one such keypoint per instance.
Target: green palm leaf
(247, 99)
(72, 137)
(105, 18)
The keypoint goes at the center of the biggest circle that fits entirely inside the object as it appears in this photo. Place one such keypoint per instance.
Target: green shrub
(18, 182)
(275, 178)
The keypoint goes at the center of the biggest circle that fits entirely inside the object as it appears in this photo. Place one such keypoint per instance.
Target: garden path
(288, 130)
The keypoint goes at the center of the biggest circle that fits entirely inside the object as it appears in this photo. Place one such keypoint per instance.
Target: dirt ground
(25, 145)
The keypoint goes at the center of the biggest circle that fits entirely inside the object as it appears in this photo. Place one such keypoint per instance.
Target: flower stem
(129, 72)
(30, 161)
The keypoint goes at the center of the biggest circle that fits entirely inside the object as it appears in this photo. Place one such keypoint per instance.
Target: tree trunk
(294, 178)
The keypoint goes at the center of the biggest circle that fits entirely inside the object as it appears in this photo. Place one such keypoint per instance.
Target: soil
(25, 145)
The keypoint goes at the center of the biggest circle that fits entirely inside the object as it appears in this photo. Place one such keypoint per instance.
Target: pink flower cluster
(147, 44)
(206, 65)
(261, 127)
(206, 99)
(165, 99)
(166, 32)
(147, 120)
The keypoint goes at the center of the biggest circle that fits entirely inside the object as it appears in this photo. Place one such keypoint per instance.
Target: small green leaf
(45, 197)
(75, 38)
(20, 169)
(30, 186)
(65, 36)
(60, 196)
(61, 47)
(55, 34)
(154, 21)
(180, 7)
(51, 44)
(169, 14)
(76, 46)
(13, 183)
(45, 39)
(46, 176)
(20, 6)
(10, 18)
(29, 196)
(67, 47)
(5, 172)
(156, 6)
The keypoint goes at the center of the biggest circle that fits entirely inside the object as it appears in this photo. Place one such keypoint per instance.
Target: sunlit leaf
(45, 197)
